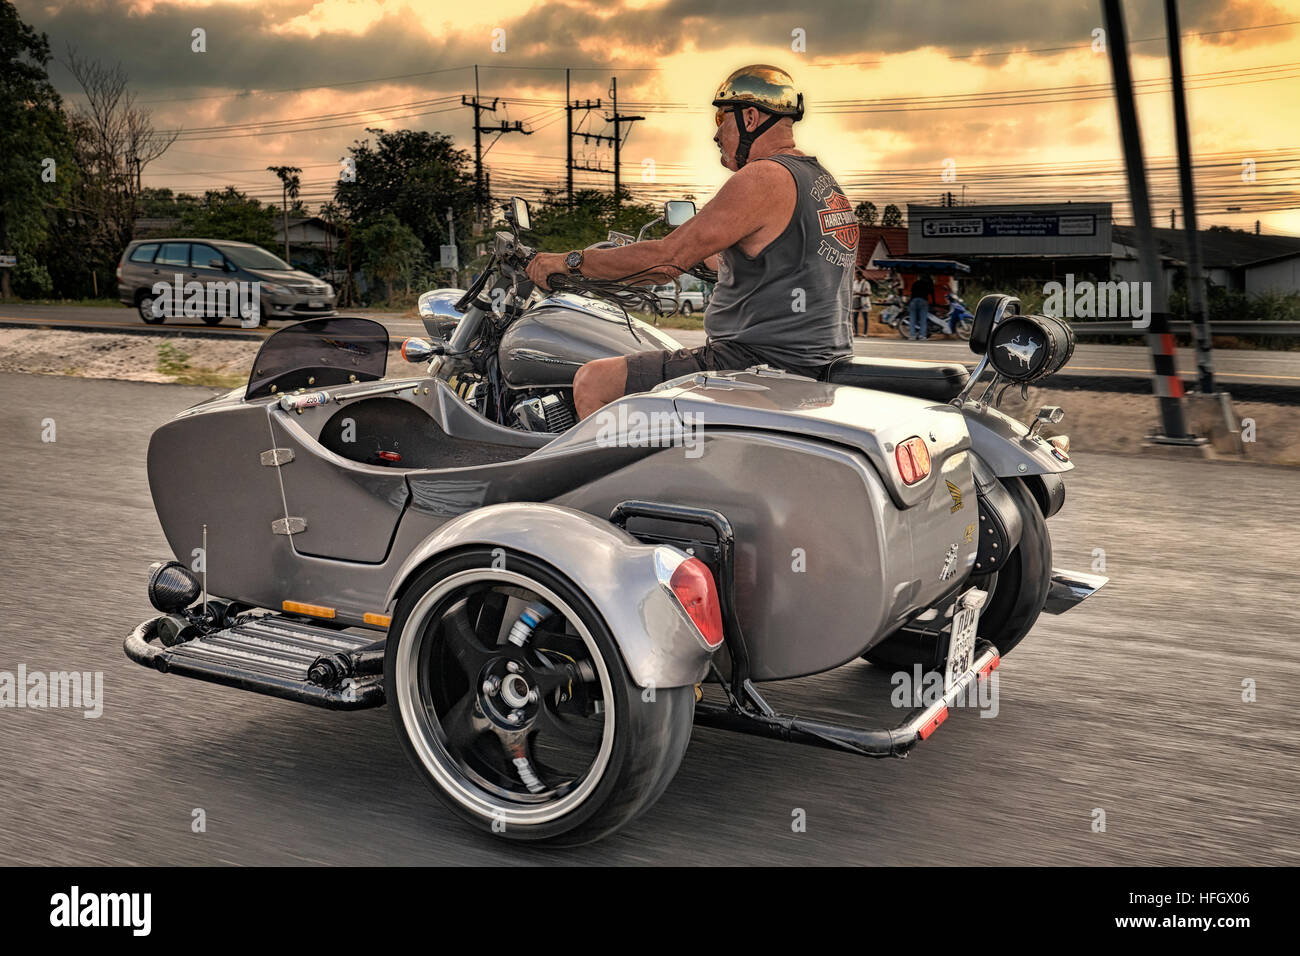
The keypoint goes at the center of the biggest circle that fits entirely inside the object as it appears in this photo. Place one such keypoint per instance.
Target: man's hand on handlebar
(546, 264)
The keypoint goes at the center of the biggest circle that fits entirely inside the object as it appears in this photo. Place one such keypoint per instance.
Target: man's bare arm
(742, 207)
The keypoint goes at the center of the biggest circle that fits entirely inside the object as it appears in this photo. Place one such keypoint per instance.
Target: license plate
(315, 304)
(961, 645)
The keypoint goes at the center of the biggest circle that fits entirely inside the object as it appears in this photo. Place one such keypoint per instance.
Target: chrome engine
(544, 413)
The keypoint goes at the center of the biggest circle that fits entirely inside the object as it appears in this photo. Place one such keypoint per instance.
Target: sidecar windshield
(319, 353)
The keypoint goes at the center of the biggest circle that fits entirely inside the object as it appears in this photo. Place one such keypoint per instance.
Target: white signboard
(448, 257)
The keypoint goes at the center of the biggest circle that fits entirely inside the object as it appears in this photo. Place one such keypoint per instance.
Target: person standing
(861, 303)
(918, 308)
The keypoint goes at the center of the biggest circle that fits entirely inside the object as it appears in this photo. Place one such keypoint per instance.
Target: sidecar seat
(934, 382)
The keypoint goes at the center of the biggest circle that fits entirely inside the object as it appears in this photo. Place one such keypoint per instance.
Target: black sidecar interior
(392, 432)
(934, 382)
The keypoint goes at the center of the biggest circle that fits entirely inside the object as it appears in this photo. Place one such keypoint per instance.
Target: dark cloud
(244, 52)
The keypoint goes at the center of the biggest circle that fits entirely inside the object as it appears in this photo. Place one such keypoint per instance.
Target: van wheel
(544, 739)
(687, 309)
(212, 320)
(145, 305)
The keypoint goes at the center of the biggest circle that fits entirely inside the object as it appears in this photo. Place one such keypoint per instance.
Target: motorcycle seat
(939, 382)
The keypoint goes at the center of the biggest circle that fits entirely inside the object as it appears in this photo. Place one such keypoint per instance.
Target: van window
(174, 254)
(201, 255)
(144, 253)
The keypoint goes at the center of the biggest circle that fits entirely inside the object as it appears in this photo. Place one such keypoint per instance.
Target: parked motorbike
(955, 320)
(548, 607)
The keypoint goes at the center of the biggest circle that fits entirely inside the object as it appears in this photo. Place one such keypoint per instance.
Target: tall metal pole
(478, 155)
(1168, 387)
(1197, 310)
(568, 139)
(613, 92)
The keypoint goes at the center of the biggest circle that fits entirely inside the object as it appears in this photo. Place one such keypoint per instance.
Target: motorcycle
(547, 613)
(955, 320)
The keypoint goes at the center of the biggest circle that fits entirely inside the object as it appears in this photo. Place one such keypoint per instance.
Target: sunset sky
(1011, 91)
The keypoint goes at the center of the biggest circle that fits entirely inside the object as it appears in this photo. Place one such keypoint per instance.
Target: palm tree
(291, 182)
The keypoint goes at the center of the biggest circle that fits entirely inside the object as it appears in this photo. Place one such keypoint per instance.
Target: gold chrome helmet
(762, 87)
(765, 88)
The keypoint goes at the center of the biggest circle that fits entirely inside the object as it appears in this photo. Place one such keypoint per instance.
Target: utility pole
(451, 240)
(571, 107)
(618, 121)
(501, 129)
(1168, 386)
(568, 139)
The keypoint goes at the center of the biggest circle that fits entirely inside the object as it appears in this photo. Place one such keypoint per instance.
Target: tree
(35, 151)
(892, 216)
(228, 214)
(391, 251)
(866, 213)
(557, 228)
(416, 177)
(291, 181)
(113, 142)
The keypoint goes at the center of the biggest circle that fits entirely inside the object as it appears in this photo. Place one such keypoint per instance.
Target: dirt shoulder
(1095, 421)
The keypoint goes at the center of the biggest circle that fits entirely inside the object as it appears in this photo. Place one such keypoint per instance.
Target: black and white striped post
(1167, 385)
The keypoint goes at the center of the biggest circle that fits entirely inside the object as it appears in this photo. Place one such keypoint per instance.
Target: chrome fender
(659, 643)
(1006, 446)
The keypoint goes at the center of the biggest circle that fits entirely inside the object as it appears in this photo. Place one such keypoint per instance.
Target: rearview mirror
(519, 213)
(677, 211)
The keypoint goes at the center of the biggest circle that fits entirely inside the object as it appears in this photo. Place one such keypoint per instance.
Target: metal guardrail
(1185, 328)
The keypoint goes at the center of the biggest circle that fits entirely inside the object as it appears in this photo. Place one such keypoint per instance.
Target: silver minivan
(213, 279)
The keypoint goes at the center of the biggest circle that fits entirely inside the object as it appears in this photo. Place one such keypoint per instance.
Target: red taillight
(693, 585)
(913, 460)
(390, 456)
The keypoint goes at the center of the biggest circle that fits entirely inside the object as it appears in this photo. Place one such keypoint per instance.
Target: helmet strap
(747, 137)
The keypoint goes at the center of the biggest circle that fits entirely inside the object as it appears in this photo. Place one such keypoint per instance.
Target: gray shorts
(645, 370)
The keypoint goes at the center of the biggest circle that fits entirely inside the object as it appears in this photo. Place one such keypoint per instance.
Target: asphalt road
(1130, 704)
(1270, 376)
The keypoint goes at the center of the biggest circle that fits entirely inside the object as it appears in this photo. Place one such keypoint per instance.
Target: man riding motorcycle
(781, 235)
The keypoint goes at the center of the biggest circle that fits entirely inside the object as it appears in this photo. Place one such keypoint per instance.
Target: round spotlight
(1025, 348)
(172, 587)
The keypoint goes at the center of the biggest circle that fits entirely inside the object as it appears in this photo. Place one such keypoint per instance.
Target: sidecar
(540, 611)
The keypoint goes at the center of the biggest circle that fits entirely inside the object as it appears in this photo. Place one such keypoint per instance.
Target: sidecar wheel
(549, 740)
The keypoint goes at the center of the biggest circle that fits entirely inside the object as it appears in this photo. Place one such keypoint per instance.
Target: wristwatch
(574, 261)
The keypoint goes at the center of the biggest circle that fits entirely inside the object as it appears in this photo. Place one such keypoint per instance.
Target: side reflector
(314, 610)
(390, 456)
(694, 587)
(379, 620)
(913, 460)
(932, 724)
(990, 667)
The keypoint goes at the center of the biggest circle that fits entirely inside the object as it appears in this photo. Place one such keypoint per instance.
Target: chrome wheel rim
(518, 733)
